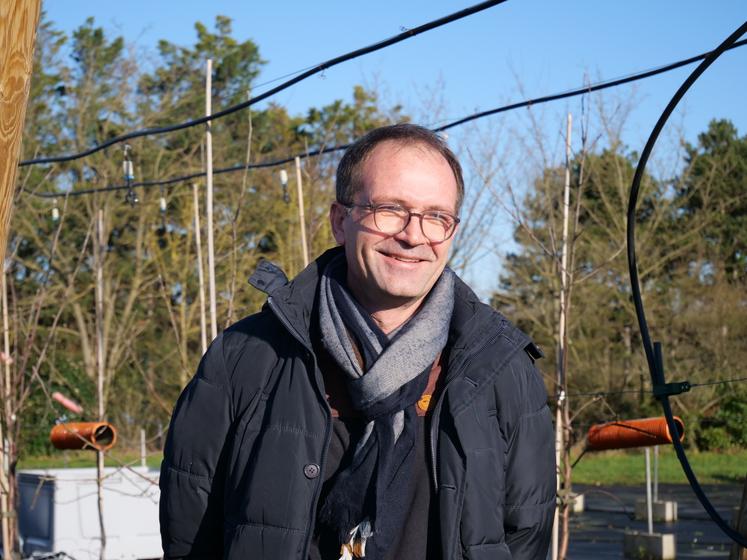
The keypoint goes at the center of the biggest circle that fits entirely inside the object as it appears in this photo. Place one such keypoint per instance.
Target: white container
(59, 512)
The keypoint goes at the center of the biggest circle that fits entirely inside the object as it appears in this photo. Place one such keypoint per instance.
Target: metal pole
(200, 274)
(100, 366)
(558, 450)
(301, 217)
(649, 507)
(209, 199)
(143, 462)
(656, 473)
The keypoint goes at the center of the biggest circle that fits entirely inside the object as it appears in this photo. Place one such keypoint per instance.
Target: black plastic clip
(670, 389)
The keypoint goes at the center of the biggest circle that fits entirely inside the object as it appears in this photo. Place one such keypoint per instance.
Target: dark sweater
(418, 539)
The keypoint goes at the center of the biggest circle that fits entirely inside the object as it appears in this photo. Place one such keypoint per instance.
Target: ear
(337, 215)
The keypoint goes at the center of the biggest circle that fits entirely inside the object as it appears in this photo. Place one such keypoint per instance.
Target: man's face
(388, 271)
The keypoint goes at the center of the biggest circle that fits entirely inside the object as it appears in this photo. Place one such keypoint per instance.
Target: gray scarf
(366, 499)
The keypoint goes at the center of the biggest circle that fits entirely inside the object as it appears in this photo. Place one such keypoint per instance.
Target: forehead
(412, 174)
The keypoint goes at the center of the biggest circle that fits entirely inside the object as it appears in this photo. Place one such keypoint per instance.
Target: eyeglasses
(437, 225)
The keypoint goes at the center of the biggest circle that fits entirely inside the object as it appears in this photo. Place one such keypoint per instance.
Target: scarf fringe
(356, 546)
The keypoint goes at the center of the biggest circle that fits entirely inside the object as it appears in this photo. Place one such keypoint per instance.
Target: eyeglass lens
(393, 220)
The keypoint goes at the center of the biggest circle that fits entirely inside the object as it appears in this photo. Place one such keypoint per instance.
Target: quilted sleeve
(530, 471)
(193, 468)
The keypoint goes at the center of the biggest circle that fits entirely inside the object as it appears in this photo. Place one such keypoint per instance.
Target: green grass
(629, 467)
(606, 467)
(80, 459)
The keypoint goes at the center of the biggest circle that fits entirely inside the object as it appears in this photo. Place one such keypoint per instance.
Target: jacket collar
(473, 325)
(294, 301)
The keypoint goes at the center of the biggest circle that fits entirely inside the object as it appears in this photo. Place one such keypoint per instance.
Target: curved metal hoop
(653, 355)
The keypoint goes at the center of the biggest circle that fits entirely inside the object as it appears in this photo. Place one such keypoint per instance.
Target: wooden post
(99, 248)
(200, 274)
(18, 23)
(143, 449)
(740, 524)
(560, 530)
(301, 216)
(5, 490)
(209, 199)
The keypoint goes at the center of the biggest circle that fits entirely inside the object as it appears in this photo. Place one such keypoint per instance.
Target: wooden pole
(5, 490)
(99, 247)
(200, 274)
(18, 21)
(209, 198)
(560, 540)
(301, 216)
(143, 449)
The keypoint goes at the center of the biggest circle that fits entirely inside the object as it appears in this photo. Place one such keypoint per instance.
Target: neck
(389, 320)
(392, 315)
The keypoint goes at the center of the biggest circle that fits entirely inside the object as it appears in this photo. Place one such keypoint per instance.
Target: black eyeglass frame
(374, 207)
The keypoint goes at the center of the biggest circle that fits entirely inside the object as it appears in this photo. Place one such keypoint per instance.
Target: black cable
(269, 93)
(705, 383)
(583, 452)
(653, 352)
(603, 393)
(588, 89)
(631, 391)
(195, 175)
(526, 103)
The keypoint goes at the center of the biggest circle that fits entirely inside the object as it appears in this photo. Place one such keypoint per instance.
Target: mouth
(407, 259)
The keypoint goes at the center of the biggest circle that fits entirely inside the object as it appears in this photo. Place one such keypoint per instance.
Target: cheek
(358, 255)
(365, 245)
(442, 251)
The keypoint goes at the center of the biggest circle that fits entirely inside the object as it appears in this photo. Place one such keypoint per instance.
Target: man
(374, 408)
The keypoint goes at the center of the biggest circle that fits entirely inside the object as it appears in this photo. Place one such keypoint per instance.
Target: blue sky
(483, 61)
(548, 45)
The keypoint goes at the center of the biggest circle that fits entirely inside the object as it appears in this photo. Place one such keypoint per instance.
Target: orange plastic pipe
(623, 434)
(99, 436)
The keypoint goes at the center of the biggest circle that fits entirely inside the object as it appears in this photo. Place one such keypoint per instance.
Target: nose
(413, 232)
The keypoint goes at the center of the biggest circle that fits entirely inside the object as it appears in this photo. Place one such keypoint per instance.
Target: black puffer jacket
(242, 469)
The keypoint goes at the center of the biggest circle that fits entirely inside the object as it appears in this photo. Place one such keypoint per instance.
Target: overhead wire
(407, 34)
(331, 149)
(588, 89)
(632, 391)
(706, 383)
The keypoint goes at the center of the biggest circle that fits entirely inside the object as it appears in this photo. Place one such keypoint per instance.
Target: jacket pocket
(499, 551)
(482, 514)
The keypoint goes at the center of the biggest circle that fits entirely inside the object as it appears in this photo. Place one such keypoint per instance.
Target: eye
(437, 217)
(390, 209)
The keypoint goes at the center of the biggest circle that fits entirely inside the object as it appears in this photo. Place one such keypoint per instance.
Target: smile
(403, 258)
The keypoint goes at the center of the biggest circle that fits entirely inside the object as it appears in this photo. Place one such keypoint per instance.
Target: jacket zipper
(327, 433)
(439, 403)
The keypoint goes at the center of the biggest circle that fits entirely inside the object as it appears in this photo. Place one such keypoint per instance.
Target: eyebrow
(402, 203)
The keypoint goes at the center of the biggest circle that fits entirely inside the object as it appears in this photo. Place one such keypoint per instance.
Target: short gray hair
(349, 168)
